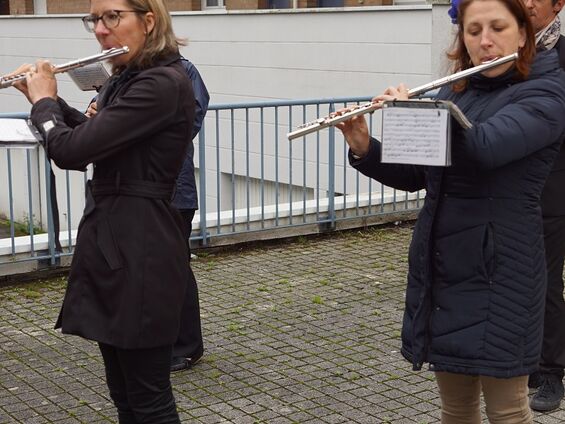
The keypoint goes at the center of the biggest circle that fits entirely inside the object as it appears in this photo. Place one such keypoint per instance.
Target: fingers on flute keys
(44, 68)
(23, 69)
(393, 93)
(343, 111)
(351, 123)
(21, 83)
(41, 83)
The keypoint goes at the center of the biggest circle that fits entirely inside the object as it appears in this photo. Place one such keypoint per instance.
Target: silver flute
(328, 121)
(8, 81)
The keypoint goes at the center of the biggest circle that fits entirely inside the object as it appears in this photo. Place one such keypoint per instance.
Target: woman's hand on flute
(392, 93)
(21, 85)
(355, 131)
(40, 81)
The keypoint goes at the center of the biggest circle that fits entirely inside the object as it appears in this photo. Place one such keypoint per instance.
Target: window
(280, 4)
(213, 4)
(4, 7)
(330, 3)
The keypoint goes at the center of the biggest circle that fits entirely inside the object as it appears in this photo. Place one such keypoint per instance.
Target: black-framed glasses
(110, 19)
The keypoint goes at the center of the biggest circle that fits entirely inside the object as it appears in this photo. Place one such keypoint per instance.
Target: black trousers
(553, 347)
(140, 385)
(189, 342)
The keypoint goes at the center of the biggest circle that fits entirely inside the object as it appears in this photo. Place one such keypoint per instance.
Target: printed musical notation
(89, 77)
(418, 132)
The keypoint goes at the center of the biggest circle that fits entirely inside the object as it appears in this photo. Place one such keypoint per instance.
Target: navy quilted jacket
(186, 195)
(476, 280)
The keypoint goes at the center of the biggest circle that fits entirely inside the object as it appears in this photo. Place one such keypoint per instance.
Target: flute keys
(318, 121)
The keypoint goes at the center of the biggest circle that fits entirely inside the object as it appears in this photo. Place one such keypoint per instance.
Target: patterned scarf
(547, 38)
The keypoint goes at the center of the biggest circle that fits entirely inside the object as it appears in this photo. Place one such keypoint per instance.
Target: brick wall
(306, 3)
(352, 3)
(21, 7)
(180, 5)
(82, 6)
(245, 4)
(68, 6)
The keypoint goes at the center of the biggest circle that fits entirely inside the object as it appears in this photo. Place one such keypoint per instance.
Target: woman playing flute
(476, 279)
(129, 268)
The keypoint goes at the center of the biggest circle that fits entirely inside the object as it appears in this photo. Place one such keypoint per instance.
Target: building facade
(31, 7)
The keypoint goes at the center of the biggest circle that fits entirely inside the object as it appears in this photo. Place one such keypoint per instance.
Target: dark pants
(189, 342)
(140, 385)
(553, 347)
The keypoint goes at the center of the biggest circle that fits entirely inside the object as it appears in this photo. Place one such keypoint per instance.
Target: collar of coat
(544, 62)
(121, 78)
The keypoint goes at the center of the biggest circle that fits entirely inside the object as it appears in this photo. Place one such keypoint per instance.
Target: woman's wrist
(359, 153)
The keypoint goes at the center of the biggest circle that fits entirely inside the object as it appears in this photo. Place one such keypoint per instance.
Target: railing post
(202, 183)
(331, 174)
(11, 202)
(50, 223)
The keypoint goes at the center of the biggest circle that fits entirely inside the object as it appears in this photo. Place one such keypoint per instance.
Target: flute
(8, 81)
(328, 121)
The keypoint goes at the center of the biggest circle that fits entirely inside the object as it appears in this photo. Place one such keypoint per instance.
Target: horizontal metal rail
(252, 183)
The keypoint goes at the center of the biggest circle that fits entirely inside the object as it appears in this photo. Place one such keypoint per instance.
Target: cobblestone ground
(306, 331)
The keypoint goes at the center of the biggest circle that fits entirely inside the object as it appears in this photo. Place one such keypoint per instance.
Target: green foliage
(20, 228)
(31, 294)
(318, 300)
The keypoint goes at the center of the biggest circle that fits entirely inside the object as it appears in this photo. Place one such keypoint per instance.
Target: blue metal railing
(251, 179)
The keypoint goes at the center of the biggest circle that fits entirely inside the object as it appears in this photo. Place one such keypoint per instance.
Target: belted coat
(476, 278)
(130, 266)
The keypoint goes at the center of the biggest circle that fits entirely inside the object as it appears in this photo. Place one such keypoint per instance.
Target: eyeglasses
(110, 19)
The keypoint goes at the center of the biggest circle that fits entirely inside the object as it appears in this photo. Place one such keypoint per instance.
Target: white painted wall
(257, 55)
(247, 57)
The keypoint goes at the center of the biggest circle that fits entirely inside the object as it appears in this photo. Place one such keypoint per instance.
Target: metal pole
(202, 182)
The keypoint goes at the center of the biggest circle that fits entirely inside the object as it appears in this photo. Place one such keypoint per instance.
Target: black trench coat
(130, 265)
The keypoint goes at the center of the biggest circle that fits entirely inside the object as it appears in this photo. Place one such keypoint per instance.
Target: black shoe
(535, 379)
(549, 395)
(179, 363)
(193, 360)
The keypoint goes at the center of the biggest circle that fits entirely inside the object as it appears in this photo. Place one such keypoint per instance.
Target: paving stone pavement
(301, 331)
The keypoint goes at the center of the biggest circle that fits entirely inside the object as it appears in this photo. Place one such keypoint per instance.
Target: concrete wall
(250, 56)
(253, 56)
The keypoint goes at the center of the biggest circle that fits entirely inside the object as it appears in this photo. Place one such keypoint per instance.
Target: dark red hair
(526, 54)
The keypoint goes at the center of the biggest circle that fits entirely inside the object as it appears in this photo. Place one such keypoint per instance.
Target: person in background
(549, 379)
(476, 278)
(189, 347)
(129, 270)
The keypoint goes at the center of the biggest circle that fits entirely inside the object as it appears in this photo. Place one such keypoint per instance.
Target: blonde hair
(161, 41)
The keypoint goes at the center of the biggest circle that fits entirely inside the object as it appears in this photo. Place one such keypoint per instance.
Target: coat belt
(131, 187)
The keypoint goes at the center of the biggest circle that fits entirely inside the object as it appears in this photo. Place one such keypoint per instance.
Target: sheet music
(416, 135)
(17, 133)
(90, 77)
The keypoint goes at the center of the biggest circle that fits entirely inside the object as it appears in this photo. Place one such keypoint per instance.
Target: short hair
(161, 41)
(526, 54)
